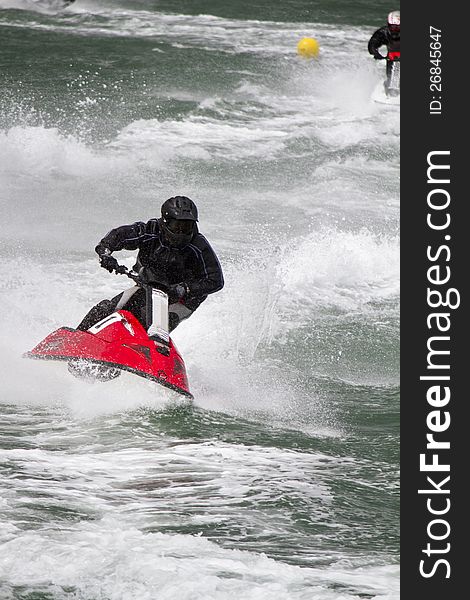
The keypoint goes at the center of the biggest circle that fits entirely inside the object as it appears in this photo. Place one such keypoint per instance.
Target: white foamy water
(105, 559)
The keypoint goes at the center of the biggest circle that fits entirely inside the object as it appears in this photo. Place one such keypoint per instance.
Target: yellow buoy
(308, 47)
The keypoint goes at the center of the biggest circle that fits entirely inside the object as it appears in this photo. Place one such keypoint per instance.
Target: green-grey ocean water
(281, 480)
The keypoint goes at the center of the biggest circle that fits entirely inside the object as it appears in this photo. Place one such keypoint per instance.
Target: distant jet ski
(388, 92)
(52, 4)
(120, 344)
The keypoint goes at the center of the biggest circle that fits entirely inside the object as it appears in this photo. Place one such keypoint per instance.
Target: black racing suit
(195, 265)
(384, 37)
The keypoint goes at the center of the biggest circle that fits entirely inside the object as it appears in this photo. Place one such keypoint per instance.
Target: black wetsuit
(384, 37)
(196, 265)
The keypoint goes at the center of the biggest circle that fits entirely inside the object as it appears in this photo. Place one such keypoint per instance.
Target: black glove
(177, 291)
(109, 263)
(378, 56)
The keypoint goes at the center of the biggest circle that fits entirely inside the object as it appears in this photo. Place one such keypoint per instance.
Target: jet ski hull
(116, 344)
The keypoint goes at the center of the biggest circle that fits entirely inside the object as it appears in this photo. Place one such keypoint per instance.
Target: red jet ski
(119, 343)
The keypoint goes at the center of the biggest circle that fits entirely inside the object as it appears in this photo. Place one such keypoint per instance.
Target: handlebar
(137, 277)
(131, 274)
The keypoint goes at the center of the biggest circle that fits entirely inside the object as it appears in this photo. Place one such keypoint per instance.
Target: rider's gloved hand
(177, 291)
(109, 263)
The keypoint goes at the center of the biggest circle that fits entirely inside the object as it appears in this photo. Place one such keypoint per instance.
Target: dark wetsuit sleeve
(126, 237)
(213, 279)
(378, 39)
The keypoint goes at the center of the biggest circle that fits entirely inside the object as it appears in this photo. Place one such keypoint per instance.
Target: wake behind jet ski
(119, 343)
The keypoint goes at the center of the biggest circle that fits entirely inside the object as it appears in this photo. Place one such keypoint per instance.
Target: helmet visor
(179, 226)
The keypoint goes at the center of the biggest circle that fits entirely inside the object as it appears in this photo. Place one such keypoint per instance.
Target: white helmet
(393, 18)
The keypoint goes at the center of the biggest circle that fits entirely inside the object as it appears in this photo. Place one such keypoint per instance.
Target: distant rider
(388, 35)
(172, 254)
(65, 3)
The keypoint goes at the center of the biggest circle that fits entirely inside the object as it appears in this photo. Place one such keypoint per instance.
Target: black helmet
(179, 216)
(181, 208)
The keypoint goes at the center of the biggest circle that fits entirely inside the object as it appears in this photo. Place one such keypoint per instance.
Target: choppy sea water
(281, 479)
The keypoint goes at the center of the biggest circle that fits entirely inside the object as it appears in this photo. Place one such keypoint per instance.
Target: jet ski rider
(172, 253)
(388, 35)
